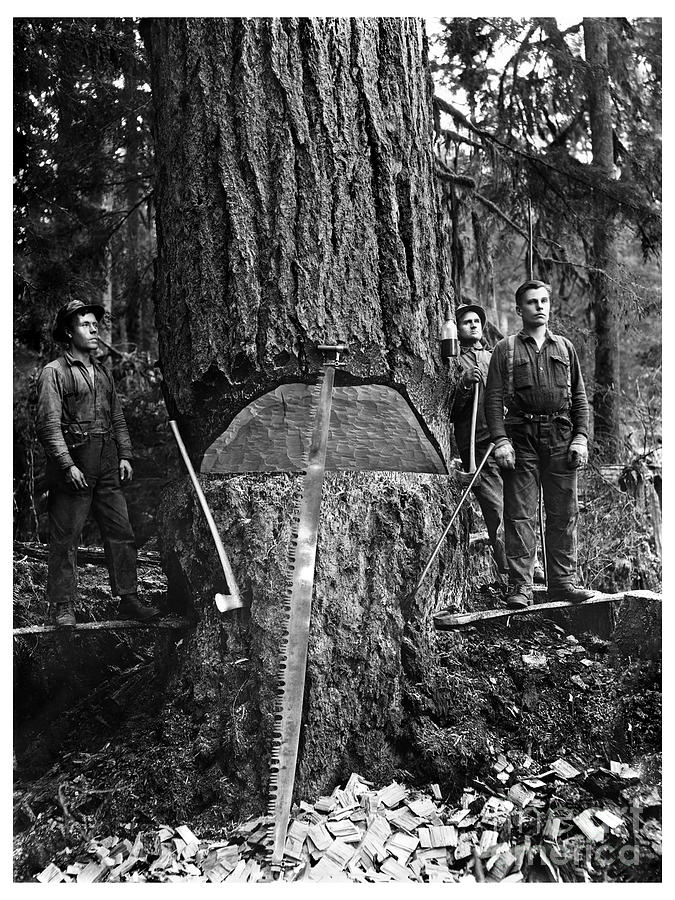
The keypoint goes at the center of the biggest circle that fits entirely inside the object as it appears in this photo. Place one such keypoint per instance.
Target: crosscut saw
(297, 608)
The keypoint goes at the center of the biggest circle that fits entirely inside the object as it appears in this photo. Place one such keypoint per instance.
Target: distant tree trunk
(296, 206)
(606, 398)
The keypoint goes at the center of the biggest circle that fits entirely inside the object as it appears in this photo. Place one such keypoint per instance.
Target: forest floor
(94, 800)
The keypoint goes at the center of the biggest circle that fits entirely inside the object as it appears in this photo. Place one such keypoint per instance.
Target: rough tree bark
(606, 397)
(296, 206)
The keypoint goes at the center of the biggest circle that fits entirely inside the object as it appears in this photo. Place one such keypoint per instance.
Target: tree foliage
(80, 144)
(527, 139)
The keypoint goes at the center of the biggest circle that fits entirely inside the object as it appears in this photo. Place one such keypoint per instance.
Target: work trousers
(541, 459)
(490, 496)
(68, 510)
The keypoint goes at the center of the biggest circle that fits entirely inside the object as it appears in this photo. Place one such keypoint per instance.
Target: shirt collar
(524, 336)
(476, 345)
(70, 359)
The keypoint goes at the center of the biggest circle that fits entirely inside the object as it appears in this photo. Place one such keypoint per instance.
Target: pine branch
(576, 176)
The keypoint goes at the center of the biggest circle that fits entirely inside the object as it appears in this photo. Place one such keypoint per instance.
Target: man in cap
(475, 360)
(82, 429)
(536, 375)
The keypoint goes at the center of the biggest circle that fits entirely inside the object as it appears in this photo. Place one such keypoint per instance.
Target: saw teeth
(296, 602)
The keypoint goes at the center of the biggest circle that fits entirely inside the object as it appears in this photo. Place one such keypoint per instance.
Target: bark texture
(607, 393)
(295, 206)
(372, 649)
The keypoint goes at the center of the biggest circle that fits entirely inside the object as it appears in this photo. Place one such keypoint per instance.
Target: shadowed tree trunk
(296, 207)
(607, 396)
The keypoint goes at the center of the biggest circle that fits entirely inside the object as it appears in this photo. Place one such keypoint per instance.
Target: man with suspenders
(542, 440)
(82, 429)
(475, 362)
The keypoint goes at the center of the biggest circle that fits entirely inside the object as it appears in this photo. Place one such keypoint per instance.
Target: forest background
(556, 123)
(535, 122)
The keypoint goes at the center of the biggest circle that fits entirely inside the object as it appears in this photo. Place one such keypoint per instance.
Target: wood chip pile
(525, 823)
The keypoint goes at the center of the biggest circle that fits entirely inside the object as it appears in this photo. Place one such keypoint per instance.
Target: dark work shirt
(462, 404)
(539, 381)
(70, 407)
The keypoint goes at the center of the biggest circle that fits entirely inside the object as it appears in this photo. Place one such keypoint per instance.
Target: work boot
(132, 608)
(63, 614)
(538, 576)
(519, 597)
(571, 593)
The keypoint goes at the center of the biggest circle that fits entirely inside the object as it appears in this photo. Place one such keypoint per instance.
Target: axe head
(226, 602)
(464, 478)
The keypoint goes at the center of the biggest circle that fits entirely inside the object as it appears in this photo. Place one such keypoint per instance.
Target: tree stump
(370, 643)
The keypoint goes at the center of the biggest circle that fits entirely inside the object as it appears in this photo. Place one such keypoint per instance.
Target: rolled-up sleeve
(494, 394)
(48, 423)
(119, 426)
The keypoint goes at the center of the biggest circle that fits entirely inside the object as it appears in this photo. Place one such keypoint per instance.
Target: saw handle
(224, 602)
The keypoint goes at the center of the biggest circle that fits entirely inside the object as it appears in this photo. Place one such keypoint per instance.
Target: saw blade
(298, 607)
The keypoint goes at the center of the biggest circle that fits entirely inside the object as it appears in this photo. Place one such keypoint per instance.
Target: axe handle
(434, 554)
(474, 419)
(224, 561)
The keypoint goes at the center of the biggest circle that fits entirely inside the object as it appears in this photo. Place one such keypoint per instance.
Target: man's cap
(531, 285)
(465, 308)
(68, 310)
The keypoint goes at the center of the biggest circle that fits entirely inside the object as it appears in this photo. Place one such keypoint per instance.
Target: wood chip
(92, 873)
(502, 865)
(340, 853)
(457, 815)
(608, 818)
(394, 868)
(438, 874)
(392, 795)
(487, 840)
(438, 836)
(436, 792)
(496, 811)
(319, 836)
(345, 830)
(404, 819)
(564, 769)
(422, 808)
(50, 874)
(402, 846)
(551, 829)
(325, 804)
(521, 795)
(187, 835)
(584, 822)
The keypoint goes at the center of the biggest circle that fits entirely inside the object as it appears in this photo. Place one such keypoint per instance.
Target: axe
(224, 602)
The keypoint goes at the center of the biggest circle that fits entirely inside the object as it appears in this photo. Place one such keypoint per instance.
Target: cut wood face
(372, 428)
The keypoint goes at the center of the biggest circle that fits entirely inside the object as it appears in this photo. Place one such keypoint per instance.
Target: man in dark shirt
(475, 360)
(81, 426)
(543, 440)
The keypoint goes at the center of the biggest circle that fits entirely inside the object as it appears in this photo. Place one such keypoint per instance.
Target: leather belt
(541, 417)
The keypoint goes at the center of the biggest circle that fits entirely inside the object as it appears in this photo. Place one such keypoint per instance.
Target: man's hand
(126, 472)
(470, 376)
(505, 456)
(76, 477)
(577, 452)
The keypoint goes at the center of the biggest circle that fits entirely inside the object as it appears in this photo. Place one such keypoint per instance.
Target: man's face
(469, 328)
(535, 307)
(83, 331)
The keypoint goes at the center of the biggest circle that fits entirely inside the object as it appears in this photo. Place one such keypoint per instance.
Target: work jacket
(462, 404)
(545, 382)
(70, 409)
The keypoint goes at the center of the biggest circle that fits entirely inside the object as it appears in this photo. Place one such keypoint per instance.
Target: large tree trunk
(606, 397)
(296, 207)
